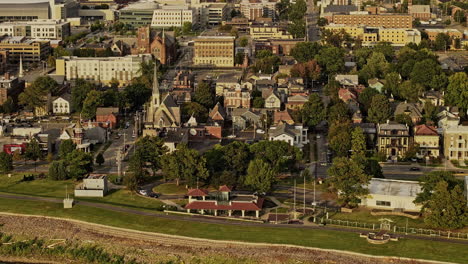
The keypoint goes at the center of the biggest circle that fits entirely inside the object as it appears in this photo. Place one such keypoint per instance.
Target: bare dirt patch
(156, 248)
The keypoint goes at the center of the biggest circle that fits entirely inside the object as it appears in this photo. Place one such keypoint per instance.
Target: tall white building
(101, 69)
(38, 29)
(173, 16)
(260, 8)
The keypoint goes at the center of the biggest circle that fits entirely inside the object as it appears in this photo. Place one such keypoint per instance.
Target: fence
(396, 229)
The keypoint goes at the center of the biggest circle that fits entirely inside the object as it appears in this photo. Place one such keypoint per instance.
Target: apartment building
(101, 69)
(30, 50)
(383, 20)
(456, 143)
(214, 50)
(421, 12)
(433, 32)
(253, 9)
(265, 33)
(427, 138)
(37, 29)
(8, 87)
(372, 35)
(173, 16)
(216, 14)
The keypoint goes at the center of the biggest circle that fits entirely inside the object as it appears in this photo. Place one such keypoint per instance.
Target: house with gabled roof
(427, 138)
(413, 110)
(294, 135)
(217, 114)
(272, 100)
(296, 102)
(282, 117)
(376, 84)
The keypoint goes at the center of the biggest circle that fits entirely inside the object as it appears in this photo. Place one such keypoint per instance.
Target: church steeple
(21, 74)
(155, 97)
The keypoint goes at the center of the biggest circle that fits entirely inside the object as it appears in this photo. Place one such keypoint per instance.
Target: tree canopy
(260, 175)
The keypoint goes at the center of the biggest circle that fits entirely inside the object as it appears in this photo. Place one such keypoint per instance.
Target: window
(382, 203)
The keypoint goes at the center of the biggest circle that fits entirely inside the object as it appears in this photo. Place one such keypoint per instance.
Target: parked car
(143, 192)
(153, 195)
(415, 169)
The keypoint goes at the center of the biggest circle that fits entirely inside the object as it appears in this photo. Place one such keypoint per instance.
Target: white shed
(392, 194)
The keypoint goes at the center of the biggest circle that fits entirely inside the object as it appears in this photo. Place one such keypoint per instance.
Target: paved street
(313, 32)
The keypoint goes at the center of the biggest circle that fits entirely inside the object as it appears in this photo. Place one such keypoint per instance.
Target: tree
(237, 157)
(228, 178)
(386, 49)
(439, 81)
(423, 72)
(100, 159)
(331, 89)
(339, 138)
(430, 111)
(410, 91)
(392, 83)
(243, 41)
(321, 22)
(313, 111)
(79, 93)
(197, 110)
(58, 171)
(8, 106)
(460, 16)
(239, 58)
(148, 153)
(380, 110)
(404, 119)
(6, 162)
(184, 164)
(331, 59)
(66, 146)
(91, 103)
(305, 51)
(358, 145)
(338, 112)
(33, 151)
(309, 71)
(442, 41)
(348, 179)
(428, 184)
(361, 55)
(131, 180)
(258, 102)
(279, 154)
(186, 28)
(51, 61)
(447, 208)
(266, 62)
(204, 95)
(365, 98)
(79, 164)
(376, 67)
(136, 94)
(260, 176)
(35, 95)
(457, 90)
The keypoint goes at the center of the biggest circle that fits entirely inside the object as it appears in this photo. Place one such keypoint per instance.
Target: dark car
(414, 169)
(153, 195)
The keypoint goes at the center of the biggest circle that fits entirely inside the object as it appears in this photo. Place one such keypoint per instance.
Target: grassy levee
(57, 189)
(411, 248)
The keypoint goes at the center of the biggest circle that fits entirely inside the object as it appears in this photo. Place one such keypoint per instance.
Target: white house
(61, 105)
(95, 185)
(295, 135)
(392, 195)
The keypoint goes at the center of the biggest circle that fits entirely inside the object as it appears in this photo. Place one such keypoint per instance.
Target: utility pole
(294, 209)
(304, 194)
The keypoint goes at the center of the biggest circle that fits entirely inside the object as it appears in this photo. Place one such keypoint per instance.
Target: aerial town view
(233, 131)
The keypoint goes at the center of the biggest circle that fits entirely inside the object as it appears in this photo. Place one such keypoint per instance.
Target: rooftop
(394, 187)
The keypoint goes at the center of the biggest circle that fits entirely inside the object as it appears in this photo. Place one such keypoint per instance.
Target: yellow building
(30, 50)
(456, 143)
(399, 36)
(371, 36)
(427, 138)
(214, 50)
(384, 20)
(265, 33)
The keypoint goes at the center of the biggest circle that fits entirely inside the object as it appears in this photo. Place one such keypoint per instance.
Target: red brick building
(108, 115)
(160, 44)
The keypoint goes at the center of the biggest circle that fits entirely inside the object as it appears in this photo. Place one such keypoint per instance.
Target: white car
(260, 131)
(143, 192)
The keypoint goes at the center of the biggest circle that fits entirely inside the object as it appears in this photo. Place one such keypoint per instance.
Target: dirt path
(153, 247)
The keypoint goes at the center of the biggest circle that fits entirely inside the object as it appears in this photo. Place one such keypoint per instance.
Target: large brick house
(107, 116)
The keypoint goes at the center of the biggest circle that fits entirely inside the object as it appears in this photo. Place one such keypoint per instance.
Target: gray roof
(284, 128)
(394, 187)
(392, 126)
(340, 8)
(415, 110)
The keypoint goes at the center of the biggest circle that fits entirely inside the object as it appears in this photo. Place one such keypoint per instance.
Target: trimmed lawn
(57, 189)
(170, 188)
(304, 237)
(363, 215)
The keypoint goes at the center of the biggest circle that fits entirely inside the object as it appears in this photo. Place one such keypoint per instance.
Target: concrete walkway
(171, 203)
